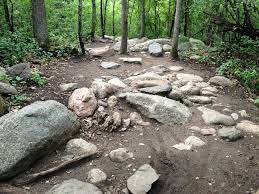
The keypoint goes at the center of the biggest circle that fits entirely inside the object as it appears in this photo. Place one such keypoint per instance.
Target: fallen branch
(19, 181)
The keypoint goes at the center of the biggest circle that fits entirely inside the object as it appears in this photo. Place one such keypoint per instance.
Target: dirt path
(217, 167)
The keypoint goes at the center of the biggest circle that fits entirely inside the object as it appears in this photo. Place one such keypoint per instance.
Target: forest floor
(217, 167)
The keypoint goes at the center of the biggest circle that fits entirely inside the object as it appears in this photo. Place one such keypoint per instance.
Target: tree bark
(8, 16)
(113, 18)
(39, 21)
(93, 19)
(142, 18)
(186, 17)
(105, 14)
(174, 51)
(101, 17)
(124, 27)
(172, 21)
(80, 37)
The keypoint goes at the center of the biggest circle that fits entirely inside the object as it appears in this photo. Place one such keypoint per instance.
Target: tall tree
(124, 27)
(8, 15)
(80, 36)
(104, 17)
(113, 18)
(142, 18)
(93, 19)
(101, 18)
(174, 51)
(39, 20)
(186, 17)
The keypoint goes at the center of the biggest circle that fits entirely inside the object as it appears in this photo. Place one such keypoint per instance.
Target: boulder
(155, 49)
(248, 126)
(31, 133)
(117, 83)
(110, 65)
(80, 147)
(163, 89)
(162, 109)
(200, 99)
(185, 46)
(230, 133)
(7, 89)
(197, 44)
(221, 81)
(190, 89)
(131, 43)
(145, 76)
(120, 155)
(74, 186)
(96, 175)
(213, 117)
(83, 102)
(176, 94)
(102, 89)
(136, 60)
(68, 87)
(144, 45)
(21, 70)
(149, 83)
(167, 48)
(189, 77)
(159, 69)
(141, 181)
(99, 52)
(176, 68)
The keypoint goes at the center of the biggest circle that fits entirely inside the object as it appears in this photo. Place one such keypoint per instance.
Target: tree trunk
(174, 52)
(113, 18)
(124, 27)
(105, 14)
(186, 17)
(8, 16)
(80, 37)
(39, 20)
(142, 18)
(101, 17)
(93, 19)
(172, 21)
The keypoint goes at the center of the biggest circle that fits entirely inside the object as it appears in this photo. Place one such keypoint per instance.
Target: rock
(68, 87)
(167, 48)
(189, 77)
(7, 89)
(125, 124)
(131, 60)
(185, 46)
(117, 120)
(210, 89)
(144, 45)
(80, 147)
(159, 69)
(248, 126)
(136, 119)
(194, 141)
(110, 65)
(190, 89)
(176, 68)
(213, 117)
(120, 155)
(207, 93)
(102, 89)
(96, 175)
(112, 101)
(131, 43)
(202, 84)
(31, 133)
(117, 83)
(221, 81)
(176, 94)
(3, 106)
(234, 116)
(163, 89)
(155, 49)
(162, 109)
(83, 102)
(200, 99)
(145, 76)
(197, 44)
(243, 114)
(230, 133)
(149, 83)
(74, 186)
(208, 131)
(21, 70)
(99, 52)
(182, 146)
(141, 181)
(187, 102)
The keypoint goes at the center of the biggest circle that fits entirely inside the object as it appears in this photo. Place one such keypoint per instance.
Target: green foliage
(37, 79)
(257, 102)
(18, 100)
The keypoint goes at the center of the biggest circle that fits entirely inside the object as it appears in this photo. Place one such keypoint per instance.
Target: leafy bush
(37, 78)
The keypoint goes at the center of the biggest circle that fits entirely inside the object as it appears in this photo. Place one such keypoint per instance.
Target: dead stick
(32, 177)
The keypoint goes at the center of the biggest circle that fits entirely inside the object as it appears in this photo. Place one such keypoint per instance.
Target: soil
(217, 167)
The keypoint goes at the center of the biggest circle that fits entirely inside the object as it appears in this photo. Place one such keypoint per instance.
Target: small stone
(248, 126)
(176, 68)
(112, 101)
(126, 123)
(230, 133)
(80, 146)
(159, 69)
(131, 60)
(190, 89)
(234, 116)
(21, 70)
(99, 52)
(202, 84)
(243, 114)
(176, 94)
(141, 181)
(102, 89)
(136, 119)
(182, 146)
(96, 175)
(68, 87)
(221, 81)
(117, 120)
(200, 99)
(145, 76)
(208, 131)
(110, 65)
(189, 77)
(117, 83)
(120, 155)
(194, 141)
(7, 89)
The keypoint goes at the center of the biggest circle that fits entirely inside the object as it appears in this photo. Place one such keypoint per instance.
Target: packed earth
(139, 123)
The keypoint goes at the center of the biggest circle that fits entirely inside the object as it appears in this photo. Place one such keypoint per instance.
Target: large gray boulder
(74, 186)
(32, 132)
(162, 109)
(155, 49)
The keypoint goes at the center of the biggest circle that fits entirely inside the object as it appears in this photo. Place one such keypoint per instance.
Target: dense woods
(54, 28)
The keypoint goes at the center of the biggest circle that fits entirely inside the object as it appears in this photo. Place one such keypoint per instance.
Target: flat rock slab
(155, 49)
(189, 77)
(31, 133)
(74, 186)
(110, 65)
(99, 52)
(176, 68)
(230, 133)
(200, 99)
(141, 181)
(248, 126)
(221, 81)
(163, 89)
(145, 76)
(131, 60)
(162, 109)
(213, 117)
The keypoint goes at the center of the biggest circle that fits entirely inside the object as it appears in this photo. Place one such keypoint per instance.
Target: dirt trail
(217, 167)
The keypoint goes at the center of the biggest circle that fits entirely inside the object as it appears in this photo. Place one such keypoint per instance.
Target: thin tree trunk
(142, 18)
(124, 27)
(80, 37)
(93, 19)
(39, 20)
(169, 17)
(172, 21)
(186, 17)
(105, 14)
(174, 52)
(113, 18)
(101, 17)
(8, 16)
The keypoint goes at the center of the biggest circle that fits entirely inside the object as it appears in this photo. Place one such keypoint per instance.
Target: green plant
(18, 99)
(257, 102)
(37, 78)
